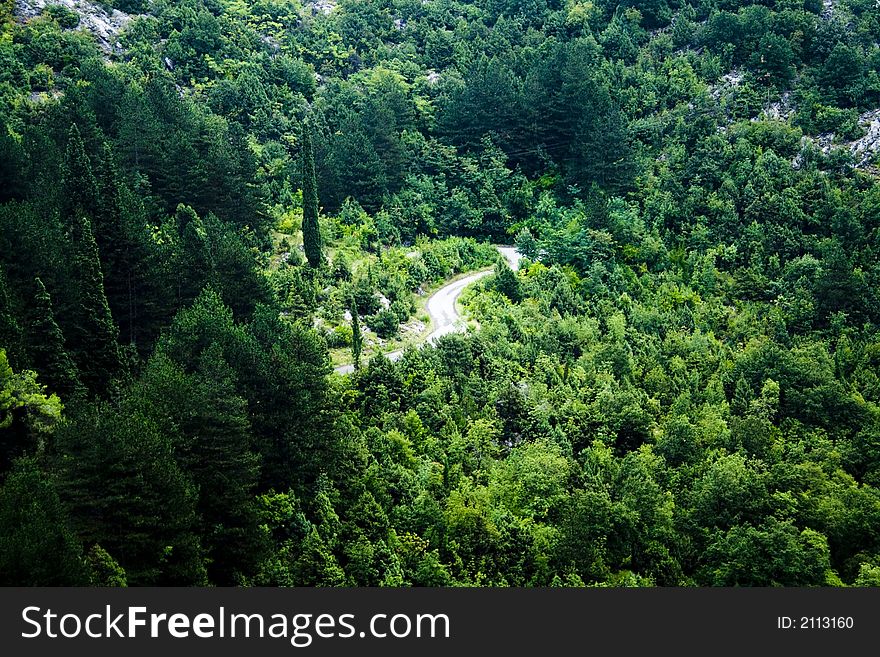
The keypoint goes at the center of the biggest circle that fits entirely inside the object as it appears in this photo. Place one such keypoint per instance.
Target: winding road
(441, 306)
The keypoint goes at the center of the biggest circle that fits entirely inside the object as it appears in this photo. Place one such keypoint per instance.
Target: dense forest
(206, 205)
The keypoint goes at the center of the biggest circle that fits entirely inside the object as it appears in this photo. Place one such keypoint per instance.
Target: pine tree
(507, 283)
(107, 220)
(118, 478)
(36, 546)
(93, 334)
(10, 330)
(48, 355)
(120, 233)
(94, 338)
(79, 189)
(354, 166)
(526, 243)
(214, 447)
(104, 569)
(311, 231)
(233, 268)
(194, 266)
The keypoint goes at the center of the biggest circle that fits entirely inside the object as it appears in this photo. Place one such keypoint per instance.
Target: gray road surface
(441, 306)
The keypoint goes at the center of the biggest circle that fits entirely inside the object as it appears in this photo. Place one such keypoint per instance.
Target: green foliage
(11, 336)
(145, 513)
(774, 554)
(93, 339)
(27, 414)
(47, 350)
(312, 242)
(507, 283)
(66, 18)
(105, 570)
(37, 547)
(357, 338)
(384, 323)
(214, 447)
(526, 244)
(678, 387)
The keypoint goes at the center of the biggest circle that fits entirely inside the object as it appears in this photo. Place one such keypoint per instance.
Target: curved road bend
(441, 306)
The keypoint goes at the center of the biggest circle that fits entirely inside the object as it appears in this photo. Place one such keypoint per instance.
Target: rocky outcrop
(322, 6)
(864, 148)
(103, 24)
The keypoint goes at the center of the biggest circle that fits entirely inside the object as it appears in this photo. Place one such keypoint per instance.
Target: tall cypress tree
(311, 231)
(357, 340)
(48, 355)
(94, 339)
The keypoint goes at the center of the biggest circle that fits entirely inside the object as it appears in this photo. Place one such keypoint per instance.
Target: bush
(340, 336)
(341, 267)
(66, 18)
(384, 323)
(365, 298)
(844, 123)
(401, 309)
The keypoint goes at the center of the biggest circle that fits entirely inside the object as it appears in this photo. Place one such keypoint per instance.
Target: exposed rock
(271, 41)
(780, 110)
(827, 10)
(727, 83)
(104, 25)
(45, 96)
(322, 6)
(413, 326)
(862, 149)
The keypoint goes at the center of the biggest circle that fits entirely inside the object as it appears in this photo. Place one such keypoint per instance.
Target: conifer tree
(94, 333)
(118, 478)
(311, 231)
(79, 189)
(107, 220)
(48, 355)
(10, 330)
(507, 283)
(526, 243)
(121, 244)
(193, 264)
(213, 445)
(36, 546)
